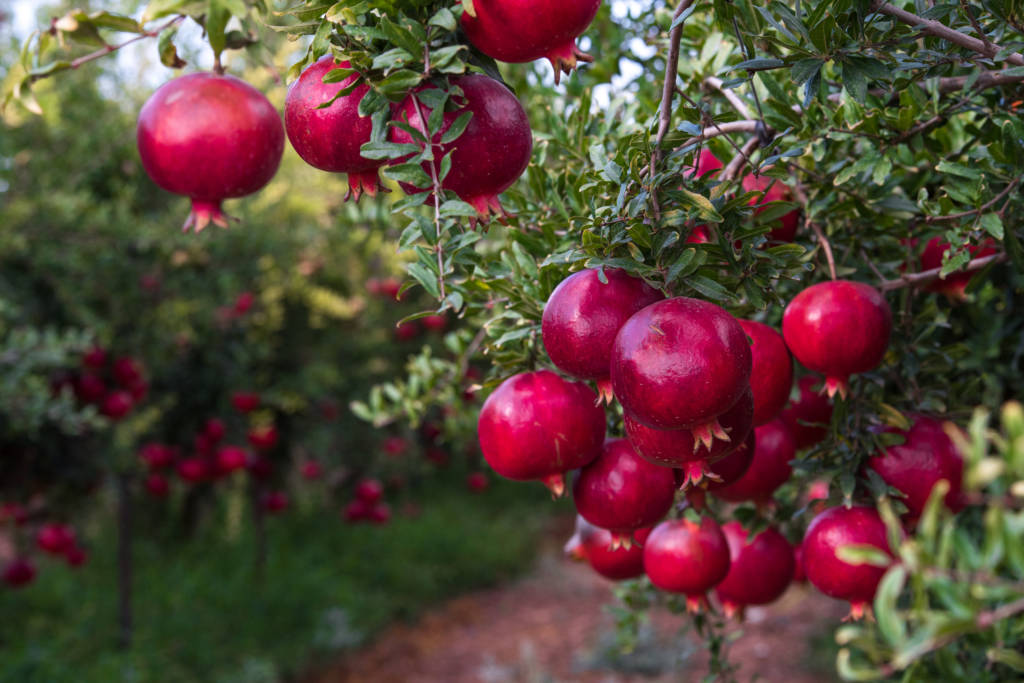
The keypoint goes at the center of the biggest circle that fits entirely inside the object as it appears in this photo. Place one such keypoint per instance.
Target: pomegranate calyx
(604, 391)
(555, 484)
(858, 611)
(732, 610)
(695, 472)
(205, 212)
(485, 205)
(363, 181)
(834, 385)
(622, 540)
(696, 603)
(565, 58)
(706, 434)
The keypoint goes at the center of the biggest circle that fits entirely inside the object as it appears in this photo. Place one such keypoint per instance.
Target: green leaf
(467, 7)
(863, 554)
(409, 173)
(709, 288)
(804, 69)
(217, 16)
(705, 209)
(760, 64)
(444, 18)
(457, 128)
(426, 278)
(993, 225)
(168, 52)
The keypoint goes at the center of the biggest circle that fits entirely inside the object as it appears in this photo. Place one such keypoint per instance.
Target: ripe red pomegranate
(275, 501)
(245, 402)
(356, 511)
(620, 491)
(524, 30)
(808, 417)
(395, 446)
(89, 388)
(330, 138)
(838, 328)
(157, 485)
(263, 438)
(76, 556)
(231, 458)
(380, 514)
(771, 377)
(244, 302)
(582, 317)
(311, 470)
(680, 364)
(214, 429)
(156, 455)
(95, 358)
(209, 137)
(773, 191)
(492, 151)
(610, 561)
(407, 331)
(699, 235)
(707, 163)
(828, 532)
(477, 482)
(733, 466)
(916, 466)
(55, 538)
(434, 323)
(127, 372)
(19, 572)
(13, 512)
(369, 491)
(799, 575)
(768, 470)
(679, 447)
(192, 470)
(117, 404)
(955, 284)
(760, 569)
(536, 425)
(681, 556)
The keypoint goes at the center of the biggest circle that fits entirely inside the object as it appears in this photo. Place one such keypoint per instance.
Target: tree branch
(738, 104)
(716, 129)
(927, 276)
(974, 212)
(737, 163)
(940, 30)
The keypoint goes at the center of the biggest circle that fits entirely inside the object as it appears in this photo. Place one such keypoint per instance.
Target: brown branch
(926, 276)
(940, 30)
(716, 129)
(823, 241)
(974, 212)
(736, 164)
(738, 104)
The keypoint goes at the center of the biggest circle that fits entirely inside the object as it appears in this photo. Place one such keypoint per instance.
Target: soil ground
(552, 626)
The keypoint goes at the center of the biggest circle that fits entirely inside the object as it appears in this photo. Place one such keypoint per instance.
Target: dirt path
(552, 626)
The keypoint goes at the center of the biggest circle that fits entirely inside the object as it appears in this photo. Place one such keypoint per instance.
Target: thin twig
(927, 276)
(974, 212)
(738, 104)
(801, 196)
(737, 163)
(974, 23)
(716, 129)
(871, 265)
(940, 30)
(437, 200)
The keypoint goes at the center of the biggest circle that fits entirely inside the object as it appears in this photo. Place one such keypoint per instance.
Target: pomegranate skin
(733, 466)
(771, 376)
(519, 31)
(330, 138)
(769, 468)
(536, 425)
(809, 416)
(209, 137)
(493, 150)
(955, 284)
(583, 315)
(706, 163)
(679, 448)
(773, 191)
(620, 491)
(681, 556)
(835, 528)
(759, 570)
(838, 328)
(680, 363)
(916, 466)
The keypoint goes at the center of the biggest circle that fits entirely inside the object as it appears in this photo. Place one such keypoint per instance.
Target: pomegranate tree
(329, 138)
(492, 151)
(525, 30)
(582, 317)
(536, 425)
(771, 375)
(680, 364)
(760, 568)
(838, 328)
(621, 492)
(836, 528)
(209, 137)
(682, 556)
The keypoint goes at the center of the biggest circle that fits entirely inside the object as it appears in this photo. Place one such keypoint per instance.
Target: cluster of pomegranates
(212, 137)
(114, 385)
(52, 538)
(704, 409)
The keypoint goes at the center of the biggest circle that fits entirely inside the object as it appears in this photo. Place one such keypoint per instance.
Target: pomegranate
(380, 514)
(395, 446)
(209, 137)
(95, 358)
(799, 575)
(536, 425)
(828, 532)
(773, 191)
(492, 151)
(76, 556)
(192, 470)
(917, 465)
(476, 482)
(838, 328)
(369, 491)
(13, 512)
(156, 455)
(157, 485)
(89, 388)
(407, 331)
(706, 163)
(769, 468)
(733, 466)
(955, 284)
(434, 323)
(330, 138)
(275, 501)
(55, 538)
(582, 317)
(760, 569)
(311, 470)
(682, 556)
(117, 404)
(808, 417)
(127, 372)
(524, 30)
(699, 235)
(356, 511)
(231, 458)
(19, 572)
(620, 491)
(616, 563)
(681, 363)
(263, 438)
(771, 376)
(679, 448)
(245, 402)
(214, 429)
(244, 302)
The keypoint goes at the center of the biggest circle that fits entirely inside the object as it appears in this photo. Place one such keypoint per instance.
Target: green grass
(201, 615)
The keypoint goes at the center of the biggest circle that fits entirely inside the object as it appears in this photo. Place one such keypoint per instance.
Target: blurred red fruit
(245, 402)
(231, 459)
(434, 323)
(117, 404)
(127, 372)
(214, 429)
(13, 512)
(157, 485)
(356, 511)
(311, 470)
(437, 455)
(329, 409)
(407, 331)
(260, 467)
(477, 482)
(95, 358)
(263, 438)
(244, 302)
(192, 470)
(55, 538)
(369, 491)
(149, 282)
(89, 388)
(395, 446)
(19, 572)
(275, 501)
(156, 455)
(75, 556)
(380, 514)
